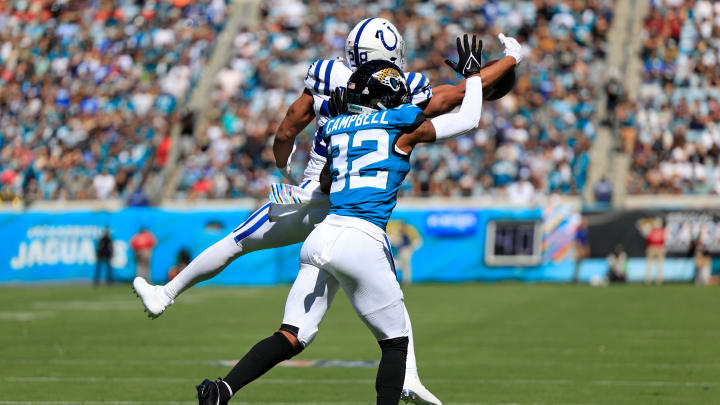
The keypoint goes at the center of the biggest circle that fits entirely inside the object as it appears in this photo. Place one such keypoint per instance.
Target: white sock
(206, 265)
(410, 363)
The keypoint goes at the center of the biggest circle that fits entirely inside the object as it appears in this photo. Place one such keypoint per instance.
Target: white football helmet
(374, 38)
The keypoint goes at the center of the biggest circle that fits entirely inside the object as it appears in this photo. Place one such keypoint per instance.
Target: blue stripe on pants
(254, 214)
(252, 229)
(392, 258)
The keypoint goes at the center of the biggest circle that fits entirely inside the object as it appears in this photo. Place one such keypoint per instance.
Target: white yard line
(285, 381)
(24, 316)
(524, 363)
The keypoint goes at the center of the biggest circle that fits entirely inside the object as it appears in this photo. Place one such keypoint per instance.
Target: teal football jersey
(366, 170)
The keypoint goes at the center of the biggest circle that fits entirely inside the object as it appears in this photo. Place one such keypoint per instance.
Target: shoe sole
(411, 397)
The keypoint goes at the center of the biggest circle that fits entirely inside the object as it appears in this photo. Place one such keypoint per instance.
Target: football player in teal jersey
(369, 145)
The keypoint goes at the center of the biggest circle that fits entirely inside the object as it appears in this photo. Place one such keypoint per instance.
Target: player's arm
(449, 125)
(298, 116)
(447, 97)
(467, 117)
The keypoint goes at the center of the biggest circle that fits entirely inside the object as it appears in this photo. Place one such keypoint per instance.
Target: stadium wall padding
(630, 227)
(441, 244)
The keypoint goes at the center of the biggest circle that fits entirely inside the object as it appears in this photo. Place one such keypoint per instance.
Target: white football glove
(512, 47)
(286, 171)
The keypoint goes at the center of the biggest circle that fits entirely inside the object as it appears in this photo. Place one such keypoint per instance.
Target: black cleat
(212, 393)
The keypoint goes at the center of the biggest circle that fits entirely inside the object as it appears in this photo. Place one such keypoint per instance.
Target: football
(501, 87)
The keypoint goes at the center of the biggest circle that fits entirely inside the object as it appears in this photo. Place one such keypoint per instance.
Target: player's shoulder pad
(324, 75)
(419, 87)
(406, 115)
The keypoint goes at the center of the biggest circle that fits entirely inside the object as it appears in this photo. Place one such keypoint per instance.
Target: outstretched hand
(512, 47)
(337, 105)
(469, 57)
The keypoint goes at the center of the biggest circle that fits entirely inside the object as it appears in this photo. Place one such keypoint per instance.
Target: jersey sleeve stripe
(328, 69)
(410, 79)
(325, 108)
(319, 148)
(421, 83)
(317, 75)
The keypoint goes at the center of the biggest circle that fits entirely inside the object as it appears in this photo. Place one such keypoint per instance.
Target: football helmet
(376, 85)
(374, 39)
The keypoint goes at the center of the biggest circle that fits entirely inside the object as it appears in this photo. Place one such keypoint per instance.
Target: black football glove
(337, 105)
(469, 63)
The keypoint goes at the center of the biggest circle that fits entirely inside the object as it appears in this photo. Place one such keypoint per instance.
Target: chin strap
(360, 109)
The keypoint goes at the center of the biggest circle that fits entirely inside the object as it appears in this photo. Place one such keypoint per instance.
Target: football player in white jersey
(278, 223)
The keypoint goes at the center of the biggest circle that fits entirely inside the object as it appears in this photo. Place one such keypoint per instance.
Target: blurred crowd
(673, 133)
(90, 89)
(534, 141)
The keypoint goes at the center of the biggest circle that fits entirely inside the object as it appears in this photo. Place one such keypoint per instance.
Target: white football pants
(353, 254)
(293, 225)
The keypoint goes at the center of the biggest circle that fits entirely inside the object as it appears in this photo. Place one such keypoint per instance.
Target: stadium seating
(89, 90)
(89, 95)
(674, 134)
(536, 140)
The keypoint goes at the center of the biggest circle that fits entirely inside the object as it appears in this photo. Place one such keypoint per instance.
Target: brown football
(501, 87)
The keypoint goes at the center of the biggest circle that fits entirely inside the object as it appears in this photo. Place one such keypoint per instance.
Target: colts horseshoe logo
(382, 39)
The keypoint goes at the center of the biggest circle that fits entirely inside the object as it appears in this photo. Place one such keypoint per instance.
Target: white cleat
(152, 296)
(414, 392)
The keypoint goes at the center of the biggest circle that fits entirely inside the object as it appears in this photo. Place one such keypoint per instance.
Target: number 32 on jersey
(348, 171)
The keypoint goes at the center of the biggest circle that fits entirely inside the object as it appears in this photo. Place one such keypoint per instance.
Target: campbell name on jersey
(365, 167)
(323, 76)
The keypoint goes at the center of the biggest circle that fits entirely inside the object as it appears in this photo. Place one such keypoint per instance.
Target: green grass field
(476, 344)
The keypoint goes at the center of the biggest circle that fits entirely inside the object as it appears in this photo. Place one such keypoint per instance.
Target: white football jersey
(322, 78)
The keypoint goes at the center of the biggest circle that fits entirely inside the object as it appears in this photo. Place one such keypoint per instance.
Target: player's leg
(266, 354)
(258, 232)
(308, 301)
(413, 389)
(363, 268)
(411, 364)
(209, 262)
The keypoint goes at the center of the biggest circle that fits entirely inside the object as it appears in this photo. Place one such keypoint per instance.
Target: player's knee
(398, 344)
(232, 249)
(290, 333)
(389, 321)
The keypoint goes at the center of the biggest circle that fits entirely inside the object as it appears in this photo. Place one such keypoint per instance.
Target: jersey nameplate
(357, 120)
